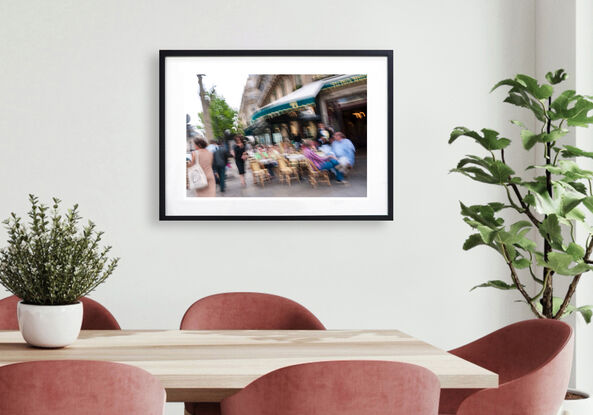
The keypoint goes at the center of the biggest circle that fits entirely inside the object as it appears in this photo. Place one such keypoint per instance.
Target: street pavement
(356, 186)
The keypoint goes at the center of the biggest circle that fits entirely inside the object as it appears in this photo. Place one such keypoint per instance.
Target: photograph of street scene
(282, 135)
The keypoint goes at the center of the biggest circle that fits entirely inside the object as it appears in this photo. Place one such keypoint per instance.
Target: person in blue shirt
(344, 151)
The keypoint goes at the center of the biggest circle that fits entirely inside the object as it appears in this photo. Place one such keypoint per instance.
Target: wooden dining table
(209, 365)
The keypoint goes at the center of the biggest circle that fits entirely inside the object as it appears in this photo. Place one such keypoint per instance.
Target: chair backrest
(312, 167)
(339, 388)
(533, 360)
(8, 318)
(248, 311)
(282, 163)
(518, 349)
(68, 387)
(95, 316)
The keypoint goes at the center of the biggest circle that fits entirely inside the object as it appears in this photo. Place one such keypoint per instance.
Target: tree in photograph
(553, 202)
(223, 117)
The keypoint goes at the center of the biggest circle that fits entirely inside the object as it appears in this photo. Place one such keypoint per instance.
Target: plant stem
(524, 207)
(548, 294)
(574, 283)
(517, 282)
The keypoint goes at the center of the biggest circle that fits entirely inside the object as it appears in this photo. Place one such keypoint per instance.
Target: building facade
(289, 106)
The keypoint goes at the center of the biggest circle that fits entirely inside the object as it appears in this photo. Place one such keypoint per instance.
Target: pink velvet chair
(69, 387)
(533, 359)
(339, 388)
(95, 317)
(244, 311)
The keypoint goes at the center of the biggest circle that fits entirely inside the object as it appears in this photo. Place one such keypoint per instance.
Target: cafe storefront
(339, 102)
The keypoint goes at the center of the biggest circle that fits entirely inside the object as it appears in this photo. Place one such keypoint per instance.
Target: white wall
(79, 107)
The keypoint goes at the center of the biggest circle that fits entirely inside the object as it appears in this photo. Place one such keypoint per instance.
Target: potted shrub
(551, 199)
(50, 263)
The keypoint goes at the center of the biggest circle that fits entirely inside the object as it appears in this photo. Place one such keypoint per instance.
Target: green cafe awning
(304, 96)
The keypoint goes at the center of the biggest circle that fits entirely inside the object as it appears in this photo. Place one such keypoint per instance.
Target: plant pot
(49, 325)
(582, 406)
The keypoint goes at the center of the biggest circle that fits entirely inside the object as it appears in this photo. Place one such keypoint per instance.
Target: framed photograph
(276, 135)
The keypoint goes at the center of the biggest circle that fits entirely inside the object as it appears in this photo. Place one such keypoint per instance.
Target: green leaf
(556, 77)
(559, 107)
(550, 229)
(561, 262)
(571, 151)
(540, 92)
(529, 139)
(586, 312)
(588, 203)
(520, 225)
(489, 138)
(497, 206)
(526, 244)
(576, 251)
(501, 285)
(519, 124)
(482, 214)
(529, 199)
(579, 187)
(486, 170)
(522, 100)
(472, 241)
(569, 200)
(554, 135)
(521, 263)
(569, 169)
(578, 116)
(506, 82)
(493, 141)
(543, 203)
(563, 203)
(487, 233)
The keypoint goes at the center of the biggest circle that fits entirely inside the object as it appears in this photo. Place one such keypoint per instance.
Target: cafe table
(209, 365)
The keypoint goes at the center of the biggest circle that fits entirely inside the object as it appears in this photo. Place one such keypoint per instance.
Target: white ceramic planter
(577, 406)
(50, 325)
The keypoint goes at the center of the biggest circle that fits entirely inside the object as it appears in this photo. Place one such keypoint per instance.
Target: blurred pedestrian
(326, 147)
(344, 150)
(240, 154)
(219, 162)
(322, 134)
(212, 147)
(204, 158)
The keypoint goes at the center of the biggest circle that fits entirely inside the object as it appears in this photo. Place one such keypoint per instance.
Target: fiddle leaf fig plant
(552, 197)
(51, 260)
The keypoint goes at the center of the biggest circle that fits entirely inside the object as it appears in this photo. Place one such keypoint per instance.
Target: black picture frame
(164, 54)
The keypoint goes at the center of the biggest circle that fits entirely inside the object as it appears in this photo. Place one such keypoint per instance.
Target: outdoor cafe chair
(287, 173)
(316, 175)
(259, 175)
